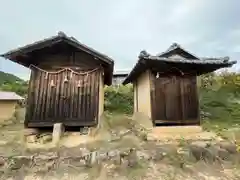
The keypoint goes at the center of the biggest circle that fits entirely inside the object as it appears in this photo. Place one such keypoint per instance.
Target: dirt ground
(166, 160)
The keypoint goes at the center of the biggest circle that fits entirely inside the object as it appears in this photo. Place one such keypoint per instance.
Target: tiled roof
(9, 96)
(117, 72)
(61, 36)
(199, 65)
(173, 47)
(222, 60)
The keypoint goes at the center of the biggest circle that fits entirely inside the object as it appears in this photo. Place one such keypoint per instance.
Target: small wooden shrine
(67, 81)
(165, 85)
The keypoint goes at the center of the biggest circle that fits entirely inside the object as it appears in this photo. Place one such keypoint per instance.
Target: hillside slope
(8, 78)
(10, 82)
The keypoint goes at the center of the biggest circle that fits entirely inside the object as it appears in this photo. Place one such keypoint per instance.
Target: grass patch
(225, 130)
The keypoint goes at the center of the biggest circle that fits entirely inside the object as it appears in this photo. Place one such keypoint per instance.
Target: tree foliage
(220, 97)
(119, 99)
(6, 78)
(19, 87)
(9, 82)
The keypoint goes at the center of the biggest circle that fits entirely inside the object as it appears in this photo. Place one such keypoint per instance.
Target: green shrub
(220, 98)
(119, 99)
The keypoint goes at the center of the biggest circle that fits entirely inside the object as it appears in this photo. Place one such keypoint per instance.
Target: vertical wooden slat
(30, 99)
(41, 94)
(160, 98)
(170, 97)
(152, 98)
(47, 95)
(189, 99)
(88, 99)
(71, 95)
(66, 103)
(92, 102)
(75, 93)
(36, 93)
(97, 91)
(182, 96)
(61, 96)
(86, 87)
(63, 103)
(43, 88)
(79, 97)
(197, 101)
(66, 97)
(35, 97)
(52, 98)
(168, 100)
(163, 94)
(57, 98)
(194, 98)
(84, 100)
(178, 116)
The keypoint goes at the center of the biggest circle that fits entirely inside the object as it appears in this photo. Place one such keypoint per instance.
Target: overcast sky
(121, 29)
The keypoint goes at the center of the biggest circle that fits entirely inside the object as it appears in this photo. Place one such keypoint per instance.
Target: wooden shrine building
(67, 81)
(165, 85)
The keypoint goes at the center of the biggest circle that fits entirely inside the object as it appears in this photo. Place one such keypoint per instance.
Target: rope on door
(64, 69)
(79, 83)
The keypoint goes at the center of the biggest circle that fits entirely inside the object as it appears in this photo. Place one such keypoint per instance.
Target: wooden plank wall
(64, 101)
(189, 98)
(175, 99)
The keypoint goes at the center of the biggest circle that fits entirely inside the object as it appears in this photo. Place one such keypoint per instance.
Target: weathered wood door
(175, 100)
(67, 97)
(167, 102)
(189, 99)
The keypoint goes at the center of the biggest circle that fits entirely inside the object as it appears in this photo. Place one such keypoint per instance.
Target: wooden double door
(66, 97)
(175, 100)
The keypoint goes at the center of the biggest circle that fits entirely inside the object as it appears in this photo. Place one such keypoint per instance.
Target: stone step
(197, 136)
(177, 129)
(180, 132)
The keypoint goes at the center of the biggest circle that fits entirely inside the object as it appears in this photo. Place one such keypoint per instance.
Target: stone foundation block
(58, 130)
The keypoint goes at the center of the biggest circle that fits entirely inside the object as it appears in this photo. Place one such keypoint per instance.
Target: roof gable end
(60, 37)
(176, 49)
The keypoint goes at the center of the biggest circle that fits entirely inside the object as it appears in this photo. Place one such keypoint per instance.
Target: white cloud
(184, 9)
(121, 29)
